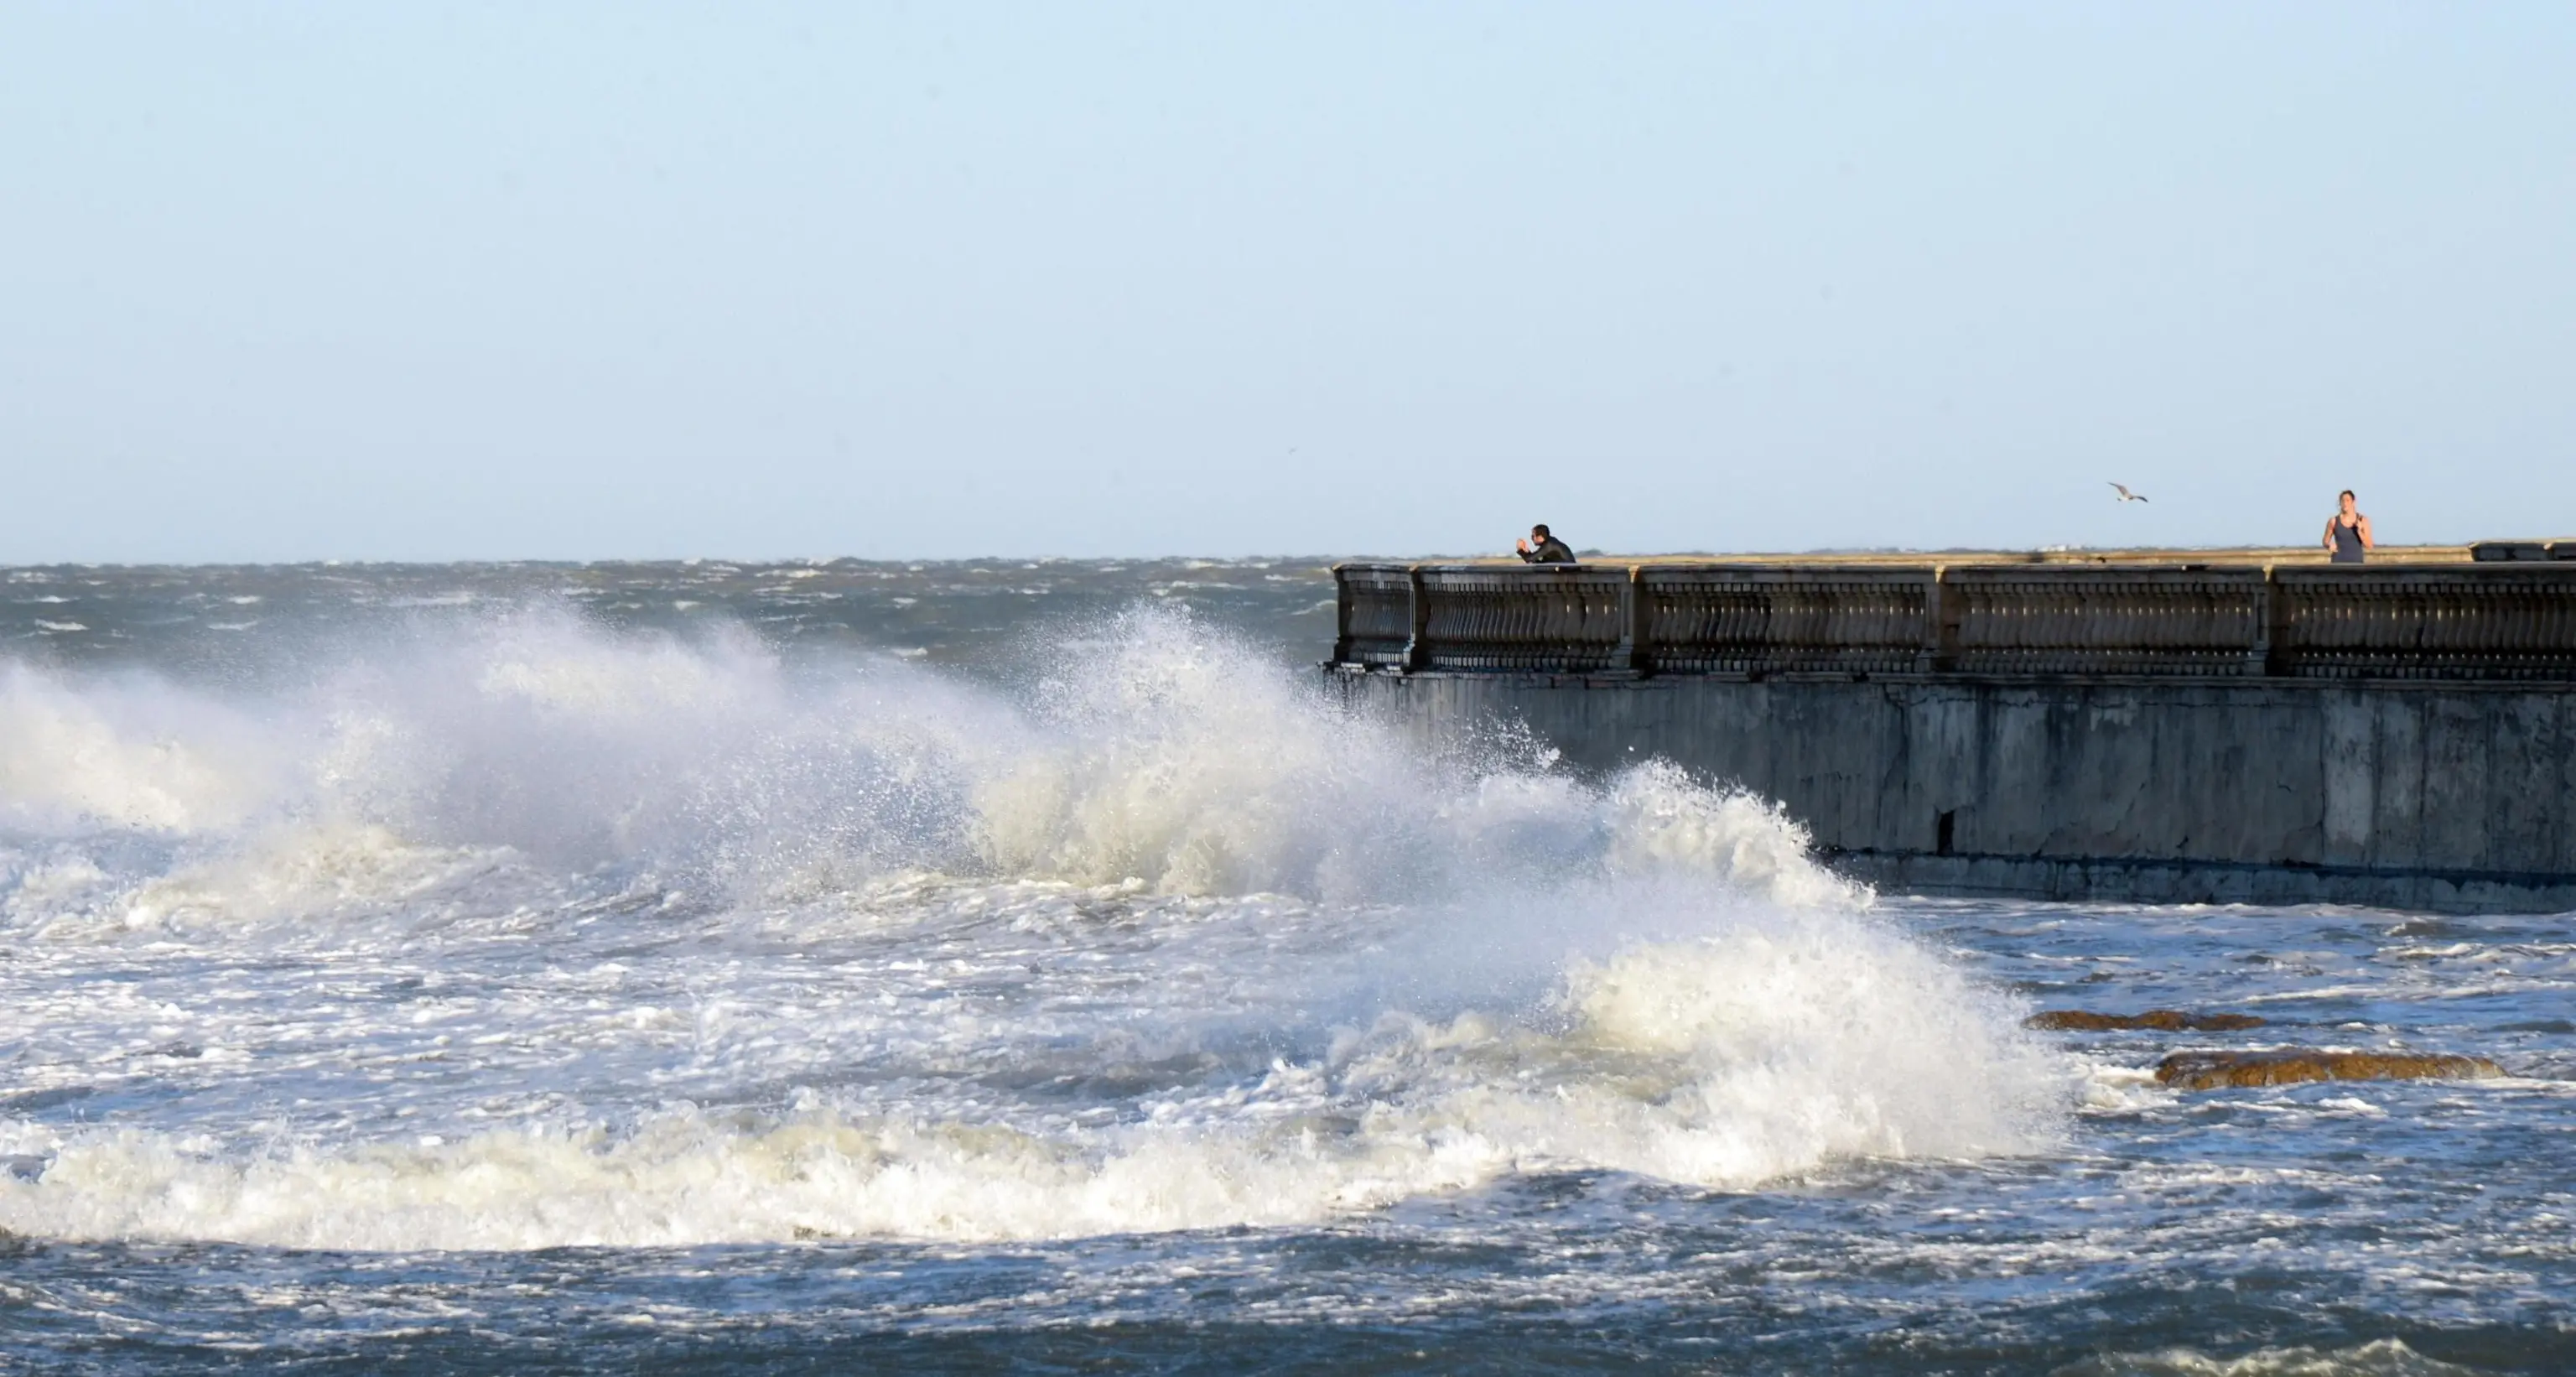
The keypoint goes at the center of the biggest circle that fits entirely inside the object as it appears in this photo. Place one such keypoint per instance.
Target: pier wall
(2400, 736)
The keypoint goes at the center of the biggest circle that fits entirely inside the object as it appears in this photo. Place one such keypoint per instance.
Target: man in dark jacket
(1542, 548)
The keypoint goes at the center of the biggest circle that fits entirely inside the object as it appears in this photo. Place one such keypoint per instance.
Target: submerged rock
(2169, 1020)
(2292, 1065)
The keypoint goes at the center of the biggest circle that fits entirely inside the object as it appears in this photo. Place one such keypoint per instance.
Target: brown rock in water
(2169, 1020)
(2292, 1065)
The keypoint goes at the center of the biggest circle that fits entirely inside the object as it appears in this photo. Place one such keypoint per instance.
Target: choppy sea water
(825, 967)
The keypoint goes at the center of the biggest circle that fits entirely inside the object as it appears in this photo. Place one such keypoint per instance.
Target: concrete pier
(2401, 734)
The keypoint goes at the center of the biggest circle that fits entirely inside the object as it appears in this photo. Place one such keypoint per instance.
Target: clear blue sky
(587, 280)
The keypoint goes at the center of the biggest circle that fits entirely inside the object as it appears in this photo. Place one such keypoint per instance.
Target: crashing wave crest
(1163, 753)
(1472, 965)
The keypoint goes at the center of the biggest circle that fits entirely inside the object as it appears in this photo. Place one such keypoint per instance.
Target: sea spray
(126, 751)
(648, 939)
(1159, 751)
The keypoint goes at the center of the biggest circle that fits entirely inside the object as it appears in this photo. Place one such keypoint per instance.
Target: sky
(602, 280)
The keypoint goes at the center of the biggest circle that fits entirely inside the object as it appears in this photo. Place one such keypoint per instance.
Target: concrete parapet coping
(2256, 556)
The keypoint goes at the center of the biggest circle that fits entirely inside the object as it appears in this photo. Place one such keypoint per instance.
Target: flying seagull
(2125, 495)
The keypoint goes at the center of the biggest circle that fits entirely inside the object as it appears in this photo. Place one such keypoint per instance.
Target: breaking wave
(1162, 753)
(1452, 965)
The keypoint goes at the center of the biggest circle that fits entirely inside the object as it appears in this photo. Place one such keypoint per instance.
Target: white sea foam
(1759, 1051)
(292, 874)
(1476, 965)
(2381, 1358)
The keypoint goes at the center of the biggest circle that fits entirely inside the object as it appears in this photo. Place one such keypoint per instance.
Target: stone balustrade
(2481, 620)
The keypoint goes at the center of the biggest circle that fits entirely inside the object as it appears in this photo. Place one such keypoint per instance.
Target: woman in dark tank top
(2348, 531)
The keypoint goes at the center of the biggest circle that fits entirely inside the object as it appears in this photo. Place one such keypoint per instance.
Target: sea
(996, 966)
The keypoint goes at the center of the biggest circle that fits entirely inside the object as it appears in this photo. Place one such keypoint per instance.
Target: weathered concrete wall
(2445, 796)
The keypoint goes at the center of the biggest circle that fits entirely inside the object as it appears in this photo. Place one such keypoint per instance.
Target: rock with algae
(2292, 1065)
(2168, 1020)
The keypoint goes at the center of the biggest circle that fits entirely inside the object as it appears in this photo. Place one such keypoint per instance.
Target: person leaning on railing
(1548, 550)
